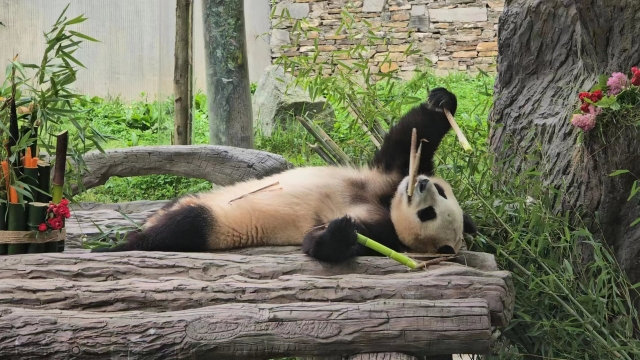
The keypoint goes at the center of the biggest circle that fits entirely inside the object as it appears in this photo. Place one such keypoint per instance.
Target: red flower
(42, 227)
(55, 223)
(64, 202)
(635, 70)
(596, 96)
(636, 79)
(585, 108)
(583, 95)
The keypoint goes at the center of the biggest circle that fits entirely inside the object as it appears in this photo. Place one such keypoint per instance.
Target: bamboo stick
(402, 259)
(463, 139)
(17, 222)
(3, 225)
(58, 173)
(44, 181)
(36, 216)
(59, 167)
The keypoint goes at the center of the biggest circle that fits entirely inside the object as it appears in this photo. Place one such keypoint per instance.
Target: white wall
(137, 40)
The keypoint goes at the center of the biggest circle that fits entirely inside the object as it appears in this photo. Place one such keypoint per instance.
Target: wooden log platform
(255, 303)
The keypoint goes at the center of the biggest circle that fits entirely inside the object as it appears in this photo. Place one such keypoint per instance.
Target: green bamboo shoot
(402, 259)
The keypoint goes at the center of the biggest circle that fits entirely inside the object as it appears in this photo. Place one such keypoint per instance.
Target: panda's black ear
(469, 226)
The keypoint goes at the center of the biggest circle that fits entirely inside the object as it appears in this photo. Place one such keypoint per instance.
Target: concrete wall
(137, 40)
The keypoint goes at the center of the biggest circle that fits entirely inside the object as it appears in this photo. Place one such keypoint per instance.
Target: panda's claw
(335, 244)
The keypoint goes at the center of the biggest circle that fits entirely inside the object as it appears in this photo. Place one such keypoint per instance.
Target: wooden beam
(171, 293)
(246, 331)
(86, 266)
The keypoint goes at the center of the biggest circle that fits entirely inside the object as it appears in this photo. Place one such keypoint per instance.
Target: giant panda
(321, 208)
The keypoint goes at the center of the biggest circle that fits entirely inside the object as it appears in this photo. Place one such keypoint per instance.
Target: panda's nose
(422, 185)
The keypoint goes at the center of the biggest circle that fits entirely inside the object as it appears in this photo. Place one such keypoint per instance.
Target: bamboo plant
(39, 115)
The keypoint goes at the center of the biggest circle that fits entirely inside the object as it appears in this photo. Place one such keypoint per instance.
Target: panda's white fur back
(298, 200)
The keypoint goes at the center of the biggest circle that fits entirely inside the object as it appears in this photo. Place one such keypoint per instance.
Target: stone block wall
(452, 34)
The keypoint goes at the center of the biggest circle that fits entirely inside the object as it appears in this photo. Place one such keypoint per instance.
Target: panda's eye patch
(440, 190)
(426, 214)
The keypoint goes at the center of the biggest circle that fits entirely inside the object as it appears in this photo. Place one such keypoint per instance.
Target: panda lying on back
(321, 208)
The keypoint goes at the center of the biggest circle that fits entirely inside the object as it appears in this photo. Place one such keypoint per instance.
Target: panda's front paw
(342, 232)
(335, 244)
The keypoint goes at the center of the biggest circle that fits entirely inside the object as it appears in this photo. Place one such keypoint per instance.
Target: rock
(276, 102)
(488, 46)
(279, 37)
(470, 14)
(465, 54)
(373, 5)
(296, 10)
(418, 10)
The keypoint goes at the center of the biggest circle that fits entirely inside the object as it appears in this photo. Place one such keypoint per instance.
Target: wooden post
(228, 91)
(182, 73)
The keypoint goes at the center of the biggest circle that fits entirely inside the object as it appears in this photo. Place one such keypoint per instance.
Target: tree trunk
(228, 88)
(221, 165)
(246, 331)
(549, 51)
(182, 73)
(170, 294)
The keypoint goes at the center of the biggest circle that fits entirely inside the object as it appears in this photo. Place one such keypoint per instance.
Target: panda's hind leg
(181, 228)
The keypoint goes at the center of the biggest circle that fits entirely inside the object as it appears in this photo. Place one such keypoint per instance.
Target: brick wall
(452, 34)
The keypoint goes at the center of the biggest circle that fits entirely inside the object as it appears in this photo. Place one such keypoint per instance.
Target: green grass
(144, 122)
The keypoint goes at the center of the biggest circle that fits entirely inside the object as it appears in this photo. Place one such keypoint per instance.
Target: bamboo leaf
(77, 20)
(83, 36)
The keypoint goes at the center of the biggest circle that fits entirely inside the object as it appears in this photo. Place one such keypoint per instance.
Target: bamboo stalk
(59, 167)
(3, 225)
(31, 179)
(44, 181)
(58, 173)
(413, 167)
(323, 154)
(17, 222)
(36, 215)
(374, 245)
(325, 141)
(463, 139)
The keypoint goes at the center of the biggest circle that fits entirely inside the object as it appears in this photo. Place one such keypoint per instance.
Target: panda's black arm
(430, 123)
(338, 241)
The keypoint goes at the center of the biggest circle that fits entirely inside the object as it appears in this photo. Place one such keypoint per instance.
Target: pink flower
(617, 82)
(42, 227)
(585, 122)
(594, 110)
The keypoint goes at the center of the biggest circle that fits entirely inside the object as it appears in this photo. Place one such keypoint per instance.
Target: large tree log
(85, 266)
(245, 331)
(447, 282)
(549, 51)
(222, 165)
